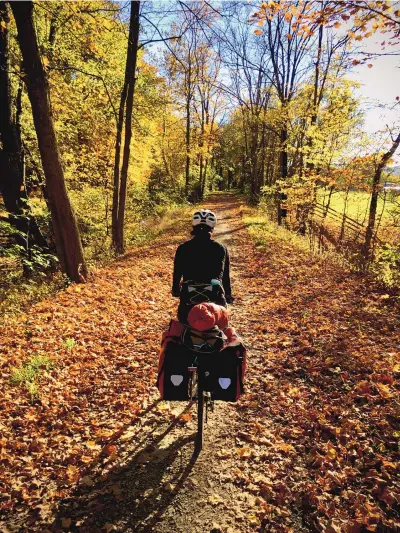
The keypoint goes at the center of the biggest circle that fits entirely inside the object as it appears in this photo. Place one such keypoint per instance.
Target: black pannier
(173, 375)
(222, 373)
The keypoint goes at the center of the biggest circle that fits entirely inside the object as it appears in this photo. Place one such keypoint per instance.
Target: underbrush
(384, 271)
(386, 266)
(28, 374)
(263, 230)
(17, 293)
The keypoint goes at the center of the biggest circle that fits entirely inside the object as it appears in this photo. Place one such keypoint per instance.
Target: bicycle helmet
(204, 216)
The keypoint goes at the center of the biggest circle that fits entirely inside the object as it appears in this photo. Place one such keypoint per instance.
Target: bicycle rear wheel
(200, 420)
(193, 382)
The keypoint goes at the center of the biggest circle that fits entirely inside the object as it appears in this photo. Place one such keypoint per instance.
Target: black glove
(176, 293)
(229, 299)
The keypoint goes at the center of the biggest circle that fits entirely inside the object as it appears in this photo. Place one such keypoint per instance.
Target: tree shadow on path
(135, 496)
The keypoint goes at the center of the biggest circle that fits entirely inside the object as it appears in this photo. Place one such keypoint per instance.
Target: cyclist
(204, 263)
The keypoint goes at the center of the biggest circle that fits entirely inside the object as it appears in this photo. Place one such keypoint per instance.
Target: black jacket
(201, 259)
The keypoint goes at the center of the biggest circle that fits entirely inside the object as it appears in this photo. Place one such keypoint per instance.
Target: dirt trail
(163, 488)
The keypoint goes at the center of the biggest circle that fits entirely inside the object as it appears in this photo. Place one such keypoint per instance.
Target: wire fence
(329, 228)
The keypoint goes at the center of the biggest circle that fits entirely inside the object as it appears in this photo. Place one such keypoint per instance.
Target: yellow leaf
(331, 453)
(254, 521)
(128, 435)
(384, 390)
(215, 499)
(286, 448)
(244, 452)
(72, 473)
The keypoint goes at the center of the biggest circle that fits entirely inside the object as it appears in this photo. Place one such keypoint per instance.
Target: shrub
(28, 374)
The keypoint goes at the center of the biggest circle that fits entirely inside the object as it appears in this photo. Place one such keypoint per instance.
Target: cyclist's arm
(226, 278)
(178, 271)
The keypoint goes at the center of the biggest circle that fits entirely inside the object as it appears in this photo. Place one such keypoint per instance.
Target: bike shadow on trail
(135, 496)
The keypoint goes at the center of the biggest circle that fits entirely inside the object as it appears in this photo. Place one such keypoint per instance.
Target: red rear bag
(201, 317)
(221, 315)
(207, 315)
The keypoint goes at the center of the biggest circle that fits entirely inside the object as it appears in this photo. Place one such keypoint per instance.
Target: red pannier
(224, 367)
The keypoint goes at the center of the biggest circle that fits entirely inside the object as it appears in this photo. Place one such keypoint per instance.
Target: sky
(379, 86)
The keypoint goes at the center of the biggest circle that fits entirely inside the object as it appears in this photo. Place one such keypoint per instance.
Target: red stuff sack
(206, 315)
(221, 315)
(174, 331)
(232, 338)
(201, 317)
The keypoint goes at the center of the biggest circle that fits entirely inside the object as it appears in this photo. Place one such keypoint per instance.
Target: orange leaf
(109, 449)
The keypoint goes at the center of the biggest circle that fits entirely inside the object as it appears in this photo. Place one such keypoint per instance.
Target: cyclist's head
(204, 217)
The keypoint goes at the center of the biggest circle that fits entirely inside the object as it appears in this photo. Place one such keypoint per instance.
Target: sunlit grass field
(358, 202)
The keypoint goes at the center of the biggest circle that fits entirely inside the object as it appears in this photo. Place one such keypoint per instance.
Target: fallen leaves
(320, 413)
(318, 434)
(102, 339)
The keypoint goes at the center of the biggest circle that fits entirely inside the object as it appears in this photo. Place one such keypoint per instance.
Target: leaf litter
(316, 434)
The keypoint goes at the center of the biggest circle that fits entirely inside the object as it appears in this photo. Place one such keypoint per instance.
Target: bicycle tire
(200, 420)
(193, 385)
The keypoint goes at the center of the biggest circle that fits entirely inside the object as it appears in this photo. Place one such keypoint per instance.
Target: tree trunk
(203, 183)
(374, 197)
(230, 178)
(263, 151)
(284, 172)
(201, 166)
(117, 157)
(163, 154)
(187, 169)
(66, 234)
(12, 183)
(254, 163)
(130, 77)
(314, 115)
(11, 177)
